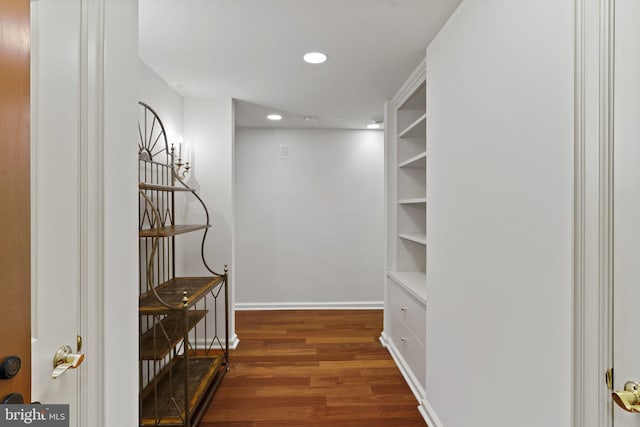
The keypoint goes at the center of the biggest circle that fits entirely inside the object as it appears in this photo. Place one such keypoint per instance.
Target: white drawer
(412, 350)
(408, 309)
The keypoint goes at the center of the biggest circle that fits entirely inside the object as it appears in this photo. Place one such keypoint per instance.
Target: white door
(57, 260)
(84, 206)
(626, 345)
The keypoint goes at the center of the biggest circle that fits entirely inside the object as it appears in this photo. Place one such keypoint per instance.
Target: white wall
(208, 128)
(499, 215)
(207, 125)
(310, 228)
(165, 101)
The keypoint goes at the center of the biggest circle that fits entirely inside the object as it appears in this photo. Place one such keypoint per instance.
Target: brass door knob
(629, 398)
(65, 359)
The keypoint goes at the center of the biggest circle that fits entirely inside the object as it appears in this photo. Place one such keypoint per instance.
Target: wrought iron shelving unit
(182, 357)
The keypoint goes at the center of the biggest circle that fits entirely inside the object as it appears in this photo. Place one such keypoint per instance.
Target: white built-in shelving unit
(406, 202)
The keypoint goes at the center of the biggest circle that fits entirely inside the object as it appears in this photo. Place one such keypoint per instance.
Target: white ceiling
(252, 50)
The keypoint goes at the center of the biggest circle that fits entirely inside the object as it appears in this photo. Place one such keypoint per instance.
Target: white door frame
(91, 384)
(593, 212)
(109, 394)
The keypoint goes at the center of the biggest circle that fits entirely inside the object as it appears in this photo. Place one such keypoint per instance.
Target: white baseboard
(425, 408)
(201, 343)
(353, 305)
(233, 344)
(408, 375)
(429, 415)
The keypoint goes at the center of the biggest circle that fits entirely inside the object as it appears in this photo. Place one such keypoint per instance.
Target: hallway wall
(309, 227)
(208, 128)
(165, 101)
(206, 124)
(499, 214)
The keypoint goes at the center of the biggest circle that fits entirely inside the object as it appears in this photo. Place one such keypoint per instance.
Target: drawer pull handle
(403, 309)
(403, 339)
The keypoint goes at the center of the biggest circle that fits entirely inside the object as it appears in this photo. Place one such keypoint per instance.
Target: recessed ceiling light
(373, 126)
(315, 57)
(274, 117)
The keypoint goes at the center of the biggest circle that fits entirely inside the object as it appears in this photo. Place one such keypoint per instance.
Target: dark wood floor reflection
(312, 368)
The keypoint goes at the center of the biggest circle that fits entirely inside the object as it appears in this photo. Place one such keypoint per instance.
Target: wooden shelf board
(414, 237)
(419, 162)
(202, 371)
(172, 230)
(158, 187)
(414, 201)
(168, 332)
(171, 291)
(417, 129)
(414, 282)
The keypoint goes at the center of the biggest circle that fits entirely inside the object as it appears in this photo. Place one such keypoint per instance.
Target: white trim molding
(425, 408)
(429, 415)
(352, 305)
(202, 344)
(417, 78)
(92, 313)
(593, 237)
(407, 373)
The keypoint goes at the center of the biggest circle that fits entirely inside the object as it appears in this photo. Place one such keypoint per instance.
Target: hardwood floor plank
(357, 364)
(370, 400)
(270, 352)
(343, 390)
(310, 368)
(358, 380)
(277, 412)
(332, 339)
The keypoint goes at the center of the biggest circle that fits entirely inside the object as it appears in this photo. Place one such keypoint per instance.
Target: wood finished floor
(310, 369)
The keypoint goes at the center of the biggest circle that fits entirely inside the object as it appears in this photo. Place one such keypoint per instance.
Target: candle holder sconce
(181, 166)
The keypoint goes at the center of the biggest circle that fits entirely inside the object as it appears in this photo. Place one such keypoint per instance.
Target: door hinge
(608, 378)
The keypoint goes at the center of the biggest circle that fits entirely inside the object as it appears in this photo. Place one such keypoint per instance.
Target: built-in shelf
(158, 341)
(414, 237)
(172, 292)
(419, 161)
(417, 129)
(413, 282)
(173, 230)
(406, 282)
(416, 100)
(413, 201)
(161, 399)
(157, 187)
